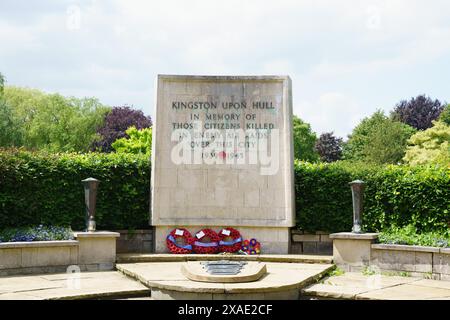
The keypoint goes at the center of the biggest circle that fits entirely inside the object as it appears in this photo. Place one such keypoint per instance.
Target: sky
(346, 58)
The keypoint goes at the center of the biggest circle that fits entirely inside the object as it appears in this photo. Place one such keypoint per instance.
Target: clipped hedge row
(40, 188)
(394, 195)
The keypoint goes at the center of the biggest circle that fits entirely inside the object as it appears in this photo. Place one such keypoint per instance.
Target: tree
(378, 139)
(10, 131)
(51, 121)
(2, 83)
(418, 112)
(329, 147)
(115, 125)
(138, 142)
(304, 141)
(430, 146)
(445, 115)
(387, 142)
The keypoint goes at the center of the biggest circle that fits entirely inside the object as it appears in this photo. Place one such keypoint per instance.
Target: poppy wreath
(176, 248)
(230, 240)
(251, 246)
(206, 247)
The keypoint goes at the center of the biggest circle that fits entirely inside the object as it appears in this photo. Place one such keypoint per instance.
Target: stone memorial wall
(223, 156)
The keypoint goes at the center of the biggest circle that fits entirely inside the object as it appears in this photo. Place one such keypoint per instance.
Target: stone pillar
(352, 251)
(97, 250)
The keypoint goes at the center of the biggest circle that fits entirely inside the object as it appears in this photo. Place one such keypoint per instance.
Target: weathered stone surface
(251, 271)
(310, 247)
(281, 277)
(161, 257)
(406, 292)
(37, 257)
(399, 247)
(228, 194)
(97, 248)
(358, 286)
(354, 236)
(405, 260)
(350, 253)
(90, 285)
(305, 237)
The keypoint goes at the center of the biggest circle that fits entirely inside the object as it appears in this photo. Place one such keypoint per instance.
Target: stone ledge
(96, 234)
(354, 236)
(444, 250)
(294, 258)
(40, 244)
(177, 77)
(401, 247)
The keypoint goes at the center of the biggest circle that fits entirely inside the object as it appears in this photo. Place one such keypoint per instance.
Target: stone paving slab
(406, 292)
(353, 285)
(50, 287)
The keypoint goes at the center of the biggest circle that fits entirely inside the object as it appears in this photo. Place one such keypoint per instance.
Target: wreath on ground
(206, 241)
(251, 246)
(230, 240)
(173, 241)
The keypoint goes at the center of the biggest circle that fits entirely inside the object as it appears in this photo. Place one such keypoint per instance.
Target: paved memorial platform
(282, 281)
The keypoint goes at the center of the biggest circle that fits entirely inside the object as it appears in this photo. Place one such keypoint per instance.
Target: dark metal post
(358, 199)
(90, 198)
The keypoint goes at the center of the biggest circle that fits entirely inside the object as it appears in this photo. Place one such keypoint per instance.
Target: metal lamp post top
(90, 180)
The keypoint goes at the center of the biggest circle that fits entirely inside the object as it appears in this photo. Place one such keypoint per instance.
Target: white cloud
(331, 108)
(330, 49)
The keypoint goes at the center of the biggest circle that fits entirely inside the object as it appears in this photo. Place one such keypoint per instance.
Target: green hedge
(394, 195)
(40, 188)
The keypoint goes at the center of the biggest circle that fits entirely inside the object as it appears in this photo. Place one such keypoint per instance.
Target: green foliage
(38, 233)
(409, 235)
(369, 271)
(37, 120)
(378, 139)
(430, 146)
(139, 142)
(445, 115)
(10, 133)
(394, 195)
(304, 141)
(2, 84)
(336, 272)
(41, 188)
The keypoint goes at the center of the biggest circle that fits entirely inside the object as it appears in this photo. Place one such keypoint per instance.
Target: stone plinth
(352, 251)
(273, 240)
(251, 271)
(97, 250)
(245, 181)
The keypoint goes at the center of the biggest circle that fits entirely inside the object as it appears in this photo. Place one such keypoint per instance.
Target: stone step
(156, 257)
